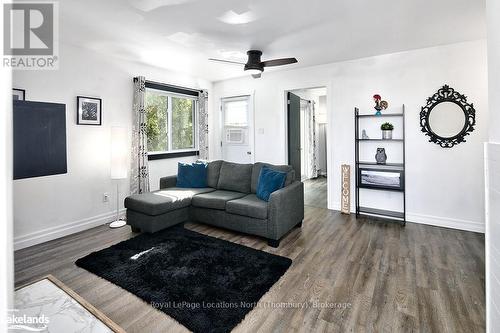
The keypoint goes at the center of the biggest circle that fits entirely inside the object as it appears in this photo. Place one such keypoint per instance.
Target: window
(182, 123)
(171, 122)
(157, 121)
(236, 113)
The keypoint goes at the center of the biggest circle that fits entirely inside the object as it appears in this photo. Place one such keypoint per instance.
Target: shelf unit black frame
(360, 210)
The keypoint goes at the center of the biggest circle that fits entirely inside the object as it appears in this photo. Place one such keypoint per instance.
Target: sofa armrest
(169, 181)
(285, 209)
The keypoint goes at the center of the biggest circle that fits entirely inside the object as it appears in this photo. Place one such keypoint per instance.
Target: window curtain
(313, 146)
(139, 182)
(203, 124)
(309, 141)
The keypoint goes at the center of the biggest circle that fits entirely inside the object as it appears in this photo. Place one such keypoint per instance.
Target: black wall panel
(39, 139)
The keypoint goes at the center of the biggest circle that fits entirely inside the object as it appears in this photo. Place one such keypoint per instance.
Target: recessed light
(253, 71)
(231, 17)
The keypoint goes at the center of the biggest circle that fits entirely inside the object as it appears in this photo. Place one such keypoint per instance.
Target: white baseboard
(437, 221)
(59, 231)
(336, 206)
(445, 222)
(49, 234)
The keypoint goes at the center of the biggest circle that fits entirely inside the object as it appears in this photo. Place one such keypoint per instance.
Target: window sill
(162, 156)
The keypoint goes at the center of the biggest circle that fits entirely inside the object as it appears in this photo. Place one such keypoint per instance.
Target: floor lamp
(119, 167)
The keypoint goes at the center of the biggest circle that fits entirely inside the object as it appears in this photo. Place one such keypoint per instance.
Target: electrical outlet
(105, 197)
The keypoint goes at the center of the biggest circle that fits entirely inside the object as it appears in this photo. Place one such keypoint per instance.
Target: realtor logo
(30, 35)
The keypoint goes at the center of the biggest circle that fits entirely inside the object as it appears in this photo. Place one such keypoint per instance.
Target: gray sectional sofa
(228, 202)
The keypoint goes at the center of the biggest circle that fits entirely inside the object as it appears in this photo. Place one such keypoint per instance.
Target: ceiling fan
(255, 65)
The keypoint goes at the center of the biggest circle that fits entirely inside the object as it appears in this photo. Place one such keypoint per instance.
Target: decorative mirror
(447, 118)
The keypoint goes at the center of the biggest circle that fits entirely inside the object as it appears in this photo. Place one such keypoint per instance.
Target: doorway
(237, 129)
(307, 144)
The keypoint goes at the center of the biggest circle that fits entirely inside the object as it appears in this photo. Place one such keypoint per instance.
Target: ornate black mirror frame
(448, 94)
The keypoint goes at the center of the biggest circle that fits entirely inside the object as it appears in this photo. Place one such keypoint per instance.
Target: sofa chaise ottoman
(229, 201)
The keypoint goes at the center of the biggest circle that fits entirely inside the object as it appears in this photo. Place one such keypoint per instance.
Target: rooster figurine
(379, 104)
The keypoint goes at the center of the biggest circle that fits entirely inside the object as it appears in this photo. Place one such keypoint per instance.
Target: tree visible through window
(170, 121)
(157, 121)
(182, 123)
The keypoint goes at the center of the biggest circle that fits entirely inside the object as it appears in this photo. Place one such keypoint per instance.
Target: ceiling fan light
(253, 71)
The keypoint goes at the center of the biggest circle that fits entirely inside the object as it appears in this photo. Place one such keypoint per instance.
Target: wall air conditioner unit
(235, 135)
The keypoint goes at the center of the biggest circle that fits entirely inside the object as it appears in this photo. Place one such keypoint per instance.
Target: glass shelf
(395, 140)
(382, 116)
(382, 165)
(382, 212)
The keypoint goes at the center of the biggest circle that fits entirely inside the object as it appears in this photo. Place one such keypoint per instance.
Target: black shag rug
(206, 284)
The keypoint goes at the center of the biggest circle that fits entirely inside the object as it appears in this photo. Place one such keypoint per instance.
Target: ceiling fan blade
(279, 62)
(256, 76)
(226, 61)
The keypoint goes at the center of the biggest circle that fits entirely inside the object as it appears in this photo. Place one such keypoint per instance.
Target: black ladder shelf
(361, 210)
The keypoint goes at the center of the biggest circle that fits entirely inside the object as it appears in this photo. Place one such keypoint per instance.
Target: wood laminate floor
(349, 275)
(315, 192)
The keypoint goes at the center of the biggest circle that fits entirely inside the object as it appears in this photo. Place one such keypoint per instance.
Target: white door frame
(329, 133)
(251, 122)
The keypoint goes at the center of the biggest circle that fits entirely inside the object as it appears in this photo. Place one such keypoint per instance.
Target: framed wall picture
(89, 110)
(381, 178)
(18, 94)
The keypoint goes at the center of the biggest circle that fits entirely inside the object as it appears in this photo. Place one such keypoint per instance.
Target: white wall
(6, 253)
(49, 207)
(492, 161)
(444, 186)
(321, 118)
(321, 110)
(162, 168)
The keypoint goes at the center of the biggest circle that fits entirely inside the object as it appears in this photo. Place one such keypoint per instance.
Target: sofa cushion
(162, 201)
(290, 173)
(216, 199)
(192, 175)
(249, 205)
(235, 177)
(213, 172)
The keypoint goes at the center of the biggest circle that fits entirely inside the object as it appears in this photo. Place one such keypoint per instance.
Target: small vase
(387, 134)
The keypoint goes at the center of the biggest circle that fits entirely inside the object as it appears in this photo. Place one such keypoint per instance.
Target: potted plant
(387, 131)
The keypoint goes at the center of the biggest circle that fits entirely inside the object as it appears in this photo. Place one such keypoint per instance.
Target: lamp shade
(119, 153)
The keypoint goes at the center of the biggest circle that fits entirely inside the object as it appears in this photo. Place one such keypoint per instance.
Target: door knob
(249, 153)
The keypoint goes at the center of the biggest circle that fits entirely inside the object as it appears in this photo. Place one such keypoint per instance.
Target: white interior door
(237, 129)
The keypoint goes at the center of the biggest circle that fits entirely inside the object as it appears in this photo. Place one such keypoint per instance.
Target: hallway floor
(315, 192)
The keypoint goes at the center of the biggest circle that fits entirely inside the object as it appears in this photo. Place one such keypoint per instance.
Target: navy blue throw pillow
(269, 181)
(192, 175)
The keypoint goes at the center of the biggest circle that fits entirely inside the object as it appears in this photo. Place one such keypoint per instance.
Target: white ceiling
(181, 34)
